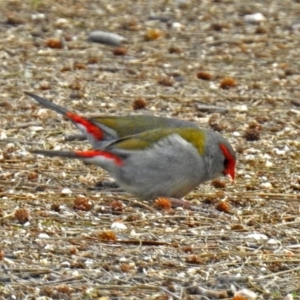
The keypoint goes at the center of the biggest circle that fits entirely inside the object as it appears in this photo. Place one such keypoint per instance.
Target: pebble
(118, 226)
(256, 236)
(66, 191)
(37, 16)
(107, 38)
(254, 18)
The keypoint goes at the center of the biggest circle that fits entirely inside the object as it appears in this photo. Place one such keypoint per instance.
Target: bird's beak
(231, 179)
(230, 176)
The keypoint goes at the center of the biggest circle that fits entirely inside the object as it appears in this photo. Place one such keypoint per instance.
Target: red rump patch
(229, 162)
(93, 153)
(95, 131)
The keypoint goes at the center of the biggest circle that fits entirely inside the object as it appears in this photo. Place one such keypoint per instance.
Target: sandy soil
(213, 62)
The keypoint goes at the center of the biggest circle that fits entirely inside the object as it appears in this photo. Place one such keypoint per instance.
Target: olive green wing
(123, 126)
(148, 139)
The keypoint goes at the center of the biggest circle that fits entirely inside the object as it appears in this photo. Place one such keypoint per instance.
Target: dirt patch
(218, 63)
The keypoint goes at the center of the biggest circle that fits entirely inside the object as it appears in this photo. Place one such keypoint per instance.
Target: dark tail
(47, 103)
(96, 157)
(57, 153)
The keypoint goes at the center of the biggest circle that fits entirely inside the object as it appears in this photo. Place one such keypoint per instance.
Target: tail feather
(47, 103)
(58, 153)
(88, 128)
(97, 157)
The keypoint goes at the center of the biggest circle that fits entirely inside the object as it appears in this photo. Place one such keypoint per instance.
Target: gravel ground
(231, 65)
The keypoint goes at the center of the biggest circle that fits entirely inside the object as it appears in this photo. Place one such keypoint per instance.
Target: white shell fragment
(254, 18)
(240, 108)
(37, 16)
(288, 297)
(281, 151)
(274, 242)
(66, 191)
(62, 22)
(256, 236)
(266, 185)
(107, 38)
(118, 226)
(43, 236)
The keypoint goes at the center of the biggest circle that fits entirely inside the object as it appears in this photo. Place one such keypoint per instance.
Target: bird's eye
(226, 162)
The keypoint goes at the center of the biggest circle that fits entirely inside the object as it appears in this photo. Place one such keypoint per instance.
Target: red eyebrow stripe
(230, 170)
(92, 129)
(105, 154)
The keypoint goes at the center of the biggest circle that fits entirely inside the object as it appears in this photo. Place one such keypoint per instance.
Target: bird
(161, 162)
(100, 131)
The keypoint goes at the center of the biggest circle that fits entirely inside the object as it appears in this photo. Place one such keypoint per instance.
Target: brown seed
(240, 148)
(55, 207)
(227, 83)
(116, 206)
(93, 60)
(44, 85)
(65, 68)
(75, 85)
(194, 259)
(133, 218)
(223, 206)
(262, 119)
(6, 104)
(22, 215)
(54, 43)
(256, 85)
(260, 30)
(120, 51)
(289, 72)
(73, 250)
(217, 27)
(82, 203)
(79, 66)
(64, 289)
(131, 25)
(153, 34)
(187, 249)
(166, 81)
(218, 184)
(13, 19)
(139, 103)
(126, 268)
(204, 75)
(32, 176)
(68, 38)
(252, 134)
(163, 203)
(237, 227)
(107, 236)
(174, 49)
(255, 125)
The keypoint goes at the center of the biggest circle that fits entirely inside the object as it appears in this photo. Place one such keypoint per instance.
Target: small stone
(254, 18)
(108, 38)
(66, 191)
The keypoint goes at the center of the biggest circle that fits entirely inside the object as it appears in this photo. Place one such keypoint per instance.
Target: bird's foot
(169, 202)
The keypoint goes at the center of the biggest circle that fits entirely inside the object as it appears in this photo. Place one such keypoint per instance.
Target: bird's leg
(175, 202)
